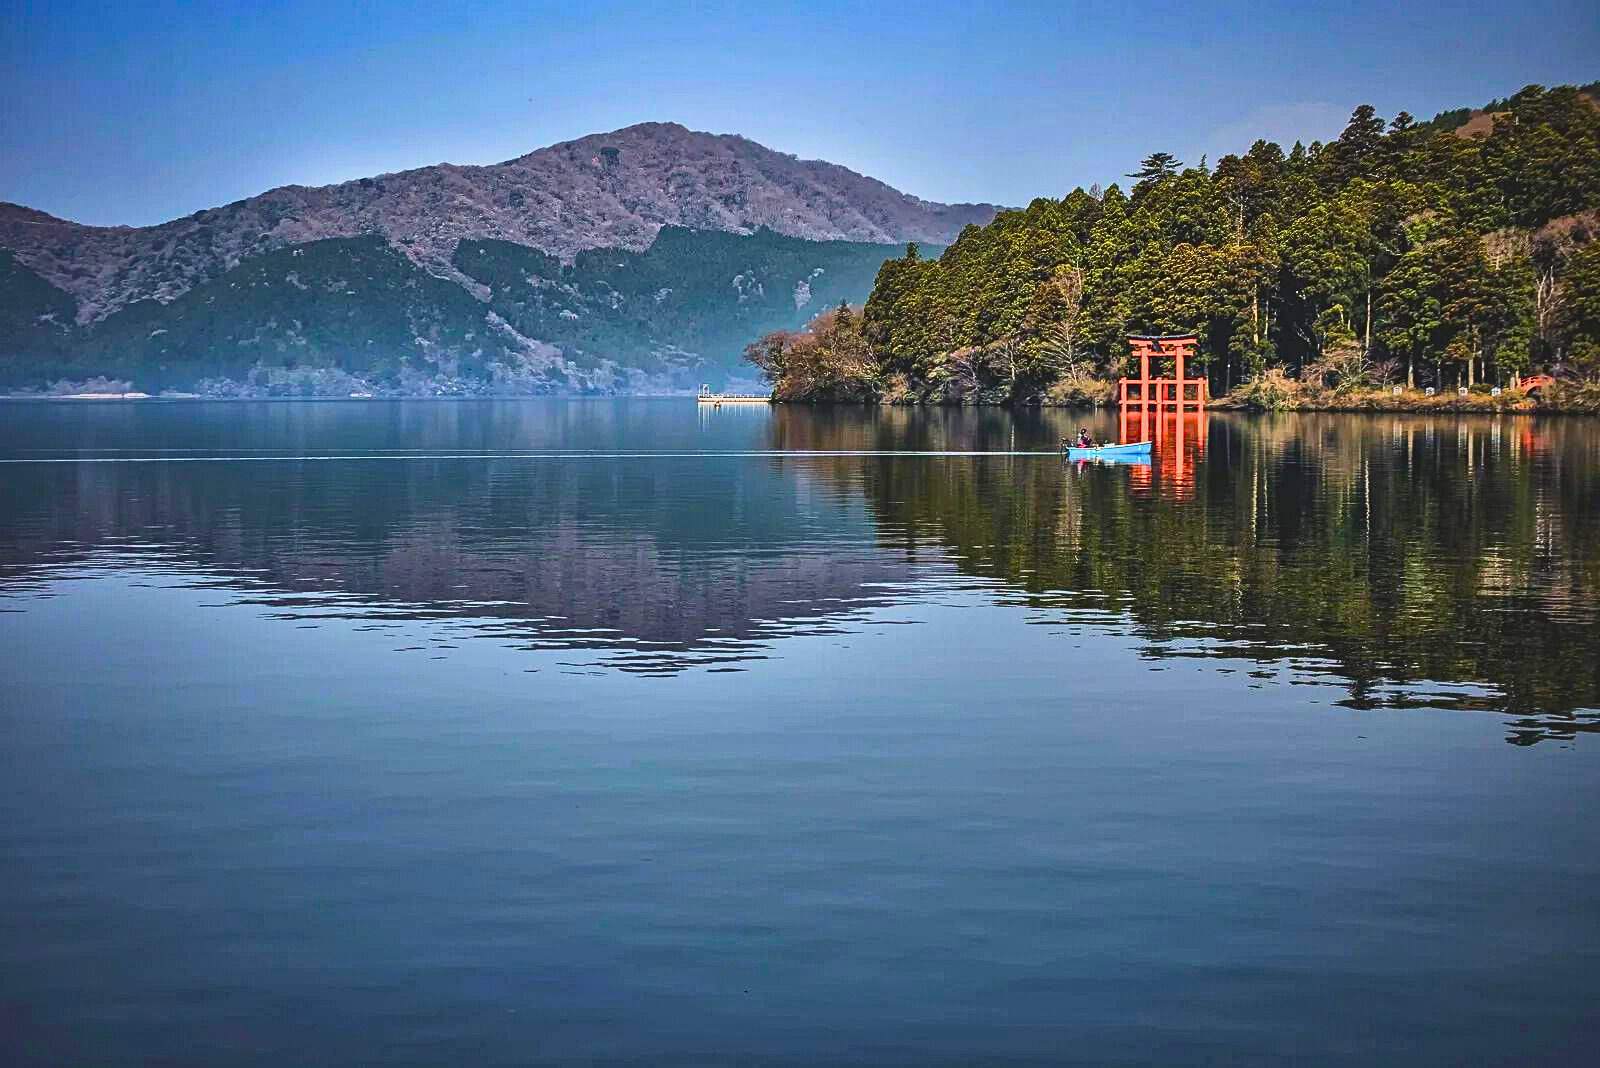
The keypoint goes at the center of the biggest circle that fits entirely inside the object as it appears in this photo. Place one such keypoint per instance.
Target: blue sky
(142, 112)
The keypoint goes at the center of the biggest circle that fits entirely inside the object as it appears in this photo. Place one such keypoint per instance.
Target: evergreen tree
(1580, 312)
(1157, 165)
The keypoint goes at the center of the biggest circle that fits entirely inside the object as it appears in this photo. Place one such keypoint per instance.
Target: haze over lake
(583, 731)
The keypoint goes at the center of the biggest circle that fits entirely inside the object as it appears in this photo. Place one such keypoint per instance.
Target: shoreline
(1560, 399)
(1404, 406)
(1413, 403)
(191, 398)
(1557, 400)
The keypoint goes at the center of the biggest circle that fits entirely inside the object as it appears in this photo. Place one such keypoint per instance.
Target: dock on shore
(708, 397)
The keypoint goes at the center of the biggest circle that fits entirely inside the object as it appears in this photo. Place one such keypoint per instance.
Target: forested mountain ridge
(612, 190)
(87, 300)
(345, 315)
(1459, 250)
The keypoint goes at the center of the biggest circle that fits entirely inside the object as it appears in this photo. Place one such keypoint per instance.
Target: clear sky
(135, 113)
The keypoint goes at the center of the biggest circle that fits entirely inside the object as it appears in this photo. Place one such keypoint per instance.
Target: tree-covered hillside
(353, 304)
(343, 315)
(35, 316)
(615, 190)
(1426, 253)
(691, 292)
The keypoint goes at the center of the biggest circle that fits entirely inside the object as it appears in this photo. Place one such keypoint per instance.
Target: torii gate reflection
(1180, 444)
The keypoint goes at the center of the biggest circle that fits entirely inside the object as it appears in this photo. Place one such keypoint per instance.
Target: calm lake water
(555, 732)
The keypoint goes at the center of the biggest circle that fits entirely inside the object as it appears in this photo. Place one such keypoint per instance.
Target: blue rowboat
(1138, 450)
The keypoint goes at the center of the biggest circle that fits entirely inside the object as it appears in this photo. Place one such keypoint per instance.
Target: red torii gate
(1149, 403)
(1162, 394)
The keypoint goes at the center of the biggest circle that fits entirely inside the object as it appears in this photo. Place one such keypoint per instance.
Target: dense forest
(1457, 251)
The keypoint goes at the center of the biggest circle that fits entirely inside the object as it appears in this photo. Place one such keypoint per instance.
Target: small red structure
(1175, 394)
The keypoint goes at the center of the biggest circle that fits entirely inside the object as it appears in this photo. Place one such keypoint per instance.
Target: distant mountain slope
(353, 305)
(341, 315)
(35, 316)
(691, 292)
(635, 260)
(614, 190)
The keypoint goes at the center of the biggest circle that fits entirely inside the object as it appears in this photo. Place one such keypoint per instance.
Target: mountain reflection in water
(1412, 561)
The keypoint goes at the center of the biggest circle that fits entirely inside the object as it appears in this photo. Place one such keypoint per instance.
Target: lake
(618, 731)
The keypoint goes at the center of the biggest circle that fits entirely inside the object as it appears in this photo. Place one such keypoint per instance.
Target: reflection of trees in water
(983, 429)
(639, 560)
(1391, 549)
(1386, 550)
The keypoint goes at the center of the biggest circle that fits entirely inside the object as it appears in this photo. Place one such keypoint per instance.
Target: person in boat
(1084, 440)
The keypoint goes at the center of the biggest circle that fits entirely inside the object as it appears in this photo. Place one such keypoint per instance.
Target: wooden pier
(719, 399)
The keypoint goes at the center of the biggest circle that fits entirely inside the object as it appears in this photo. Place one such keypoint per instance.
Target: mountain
(631, 260)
